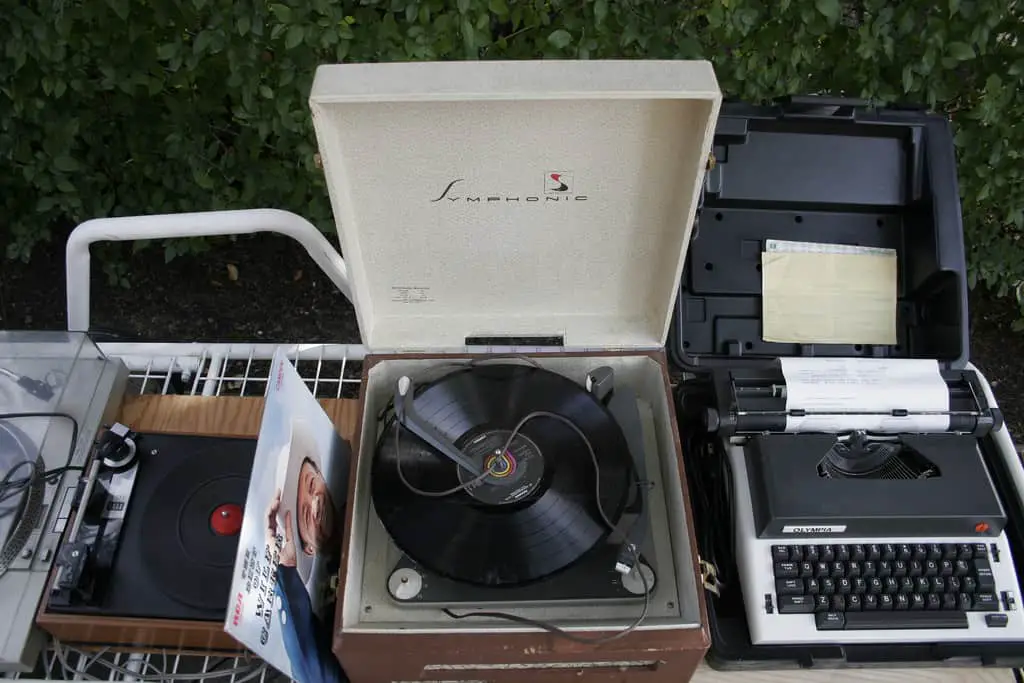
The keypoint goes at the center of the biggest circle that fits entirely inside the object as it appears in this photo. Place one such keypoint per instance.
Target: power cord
(628, 559)
(11, 487)
(551, 628)
(711, 488)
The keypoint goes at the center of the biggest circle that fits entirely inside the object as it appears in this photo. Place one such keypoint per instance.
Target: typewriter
(868, 527)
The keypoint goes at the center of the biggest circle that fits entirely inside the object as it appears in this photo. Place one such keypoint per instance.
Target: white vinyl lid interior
(514, 199)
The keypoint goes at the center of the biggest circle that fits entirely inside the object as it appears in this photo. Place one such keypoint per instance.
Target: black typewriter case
(826, 170)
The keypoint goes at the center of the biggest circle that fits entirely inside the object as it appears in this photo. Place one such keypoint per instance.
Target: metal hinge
(709, 577)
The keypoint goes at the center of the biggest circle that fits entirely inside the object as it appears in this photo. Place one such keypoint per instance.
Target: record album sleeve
(282, 603)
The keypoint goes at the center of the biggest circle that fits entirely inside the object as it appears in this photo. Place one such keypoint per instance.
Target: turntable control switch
(226, 520)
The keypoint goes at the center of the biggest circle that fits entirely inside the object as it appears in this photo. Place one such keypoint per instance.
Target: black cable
(437, 494)
(551, 628)
(9, 488)
(6, 495)
(630, 548)
(711, 488)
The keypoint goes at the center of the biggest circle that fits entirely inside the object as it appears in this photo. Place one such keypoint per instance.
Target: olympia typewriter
(859, 533)
(857, 492)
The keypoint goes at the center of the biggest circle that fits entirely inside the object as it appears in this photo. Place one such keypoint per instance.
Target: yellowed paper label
(829, 298)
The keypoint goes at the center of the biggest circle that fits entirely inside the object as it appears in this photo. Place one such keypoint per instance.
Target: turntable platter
(537, 513)
(190, 537)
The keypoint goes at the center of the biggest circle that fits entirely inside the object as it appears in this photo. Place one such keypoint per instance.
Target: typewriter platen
(869, 526)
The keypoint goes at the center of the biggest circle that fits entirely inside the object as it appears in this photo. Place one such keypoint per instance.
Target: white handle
(201, 224)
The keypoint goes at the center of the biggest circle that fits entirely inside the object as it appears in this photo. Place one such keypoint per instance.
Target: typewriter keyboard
(888, 585)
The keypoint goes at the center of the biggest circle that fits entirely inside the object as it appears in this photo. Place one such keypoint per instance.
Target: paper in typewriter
(844, 394)
(828, 293)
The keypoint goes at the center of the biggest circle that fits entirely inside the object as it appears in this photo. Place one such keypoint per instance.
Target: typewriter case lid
(828, 170)
(530, 201)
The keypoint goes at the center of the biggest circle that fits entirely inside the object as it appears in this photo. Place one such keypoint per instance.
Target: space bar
(868, 621)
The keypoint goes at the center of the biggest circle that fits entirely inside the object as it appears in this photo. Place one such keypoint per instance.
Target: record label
(514, 474)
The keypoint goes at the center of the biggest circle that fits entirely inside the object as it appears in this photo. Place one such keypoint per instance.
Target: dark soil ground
(279, 295)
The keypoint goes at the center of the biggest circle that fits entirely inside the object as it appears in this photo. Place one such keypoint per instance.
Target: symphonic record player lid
(529, 199)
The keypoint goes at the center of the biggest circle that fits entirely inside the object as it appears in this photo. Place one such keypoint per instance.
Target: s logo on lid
(561, 186)
(558, 182)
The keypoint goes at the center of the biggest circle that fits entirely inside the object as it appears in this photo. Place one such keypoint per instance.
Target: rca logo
(237, 617)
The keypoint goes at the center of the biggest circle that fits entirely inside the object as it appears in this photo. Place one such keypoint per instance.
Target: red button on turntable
(226, 520)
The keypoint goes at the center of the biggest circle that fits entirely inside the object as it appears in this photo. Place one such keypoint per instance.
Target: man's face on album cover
(315, 510)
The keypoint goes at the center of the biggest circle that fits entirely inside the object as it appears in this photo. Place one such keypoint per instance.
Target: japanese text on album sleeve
(264, 578)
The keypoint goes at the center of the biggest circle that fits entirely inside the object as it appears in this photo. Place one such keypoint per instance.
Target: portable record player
(515, 235)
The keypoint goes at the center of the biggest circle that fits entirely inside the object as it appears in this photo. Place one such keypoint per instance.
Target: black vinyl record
(537, 514)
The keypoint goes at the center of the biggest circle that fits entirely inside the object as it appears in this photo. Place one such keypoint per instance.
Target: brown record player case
(538, 208)
(655, 655)
(227, 416)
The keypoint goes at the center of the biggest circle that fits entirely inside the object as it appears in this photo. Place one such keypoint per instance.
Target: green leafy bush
(121, 107)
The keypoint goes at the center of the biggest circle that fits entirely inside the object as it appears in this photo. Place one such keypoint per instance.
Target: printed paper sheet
(861, 393)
